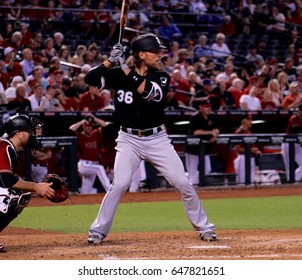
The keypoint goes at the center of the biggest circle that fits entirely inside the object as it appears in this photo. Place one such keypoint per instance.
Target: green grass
(241, 213)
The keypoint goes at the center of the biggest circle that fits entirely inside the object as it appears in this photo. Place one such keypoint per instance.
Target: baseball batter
(294, 126)
(140, 99)
(15, 193)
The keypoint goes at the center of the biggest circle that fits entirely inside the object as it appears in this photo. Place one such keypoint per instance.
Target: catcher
(15, 193)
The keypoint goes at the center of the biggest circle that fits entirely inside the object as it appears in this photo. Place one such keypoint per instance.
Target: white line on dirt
(209, 247)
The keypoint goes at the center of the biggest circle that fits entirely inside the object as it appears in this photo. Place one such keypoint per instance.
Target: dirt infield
(232, 244)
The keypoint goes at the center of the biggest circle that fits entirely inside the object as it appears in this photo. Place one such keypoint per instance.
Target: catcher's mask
(23, 123)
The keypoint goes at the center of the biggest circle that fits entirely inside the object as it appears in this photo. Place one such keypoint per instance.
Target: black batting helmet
(20, 123)
(147, 42)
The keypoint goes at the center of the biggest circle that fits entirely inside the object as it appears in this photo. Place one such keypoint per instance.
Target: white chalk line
(209, 247)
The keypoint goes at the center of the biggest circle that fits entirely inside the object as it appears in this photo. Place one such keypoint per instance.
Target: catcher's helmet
(21, 123)
(147, 42)
(17, 123)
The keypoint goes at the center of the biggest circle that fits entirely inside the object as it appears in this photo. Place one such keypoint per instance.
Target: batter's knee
(185, 188)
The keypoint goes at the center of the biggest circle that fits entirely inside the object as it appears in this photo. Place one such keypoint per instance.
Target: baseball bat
(70, 64)
(123, 19)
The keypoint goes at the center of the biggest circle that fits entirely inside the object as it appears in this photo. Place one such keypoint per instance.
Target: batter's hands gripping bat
(123, 19)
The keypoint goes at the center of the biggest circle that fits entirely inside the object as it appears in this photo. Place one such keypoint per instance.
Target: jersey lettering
(123, 96)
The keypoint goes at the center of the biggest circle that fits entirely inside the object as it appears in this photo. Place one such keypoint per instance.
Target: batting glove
(122, 62)
(116, 52)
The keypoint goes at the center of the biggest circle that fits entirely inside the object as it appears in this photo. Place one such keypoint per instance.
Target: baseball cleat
(209, 236)
(2, 248)
(93, 239)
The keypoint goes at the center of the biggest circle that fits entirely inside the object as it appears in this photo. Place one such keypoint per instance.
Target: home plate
(209, 247)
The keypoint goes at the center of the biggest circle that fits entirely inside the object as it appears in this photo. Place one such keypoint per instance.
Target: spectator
(294, 99)
(204, 94)
(228, 99)
(104, 24)
(290, 70)
(250, 101)
(201, 124)
(48, 52)
(95, 56)
(253, 57)
(64, 55)
(183, 62)
(80, 84)
(91, 100)
(20, 103)
(253, 81)
(267, 102)
(243, 18)
(108, 100)
(10, 92)
(294, 126)
(4, 77)
(55, 77)
(77, 58)
(199, 9)
(13, 42)
(226, 74)
(264, 20)
(227, 27)
(137, 17)
(37, 75)
(89, 165)
(68, 103)
(55, 104)
(26, 35)
(85, 68)
(38, 101)
(27, 62)
(13, 67)
(58, 38)
(183, 90)
(37, 42)
(194, 80)
(239, 162)
(220, 48)
(273, 89)
(70, 89)
(236, 89)
(169, 31)
(202, 49)
(282, 78)
(279, 18)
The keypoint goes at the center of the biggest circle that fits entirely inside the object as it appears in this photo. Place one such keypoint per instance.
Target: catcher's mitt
(58, 184)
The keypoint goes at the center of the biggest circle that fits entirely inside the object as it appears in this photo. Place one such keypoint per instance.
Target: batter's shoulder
(163, 77)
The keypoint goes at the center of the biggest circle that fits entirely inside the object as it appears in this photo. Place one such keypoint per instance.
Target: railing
(247, 140)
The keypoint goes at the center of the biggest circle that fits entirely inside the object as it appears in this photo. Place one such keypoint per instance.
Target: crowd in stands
(224, 51)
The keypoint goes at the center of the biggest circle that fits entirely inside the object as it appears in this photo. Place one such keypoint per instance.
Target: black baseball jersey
(131, 109)
(198, 121)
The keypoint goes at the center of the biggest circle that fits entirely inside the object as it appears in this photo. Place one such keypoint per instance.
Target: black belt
(142, 132)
